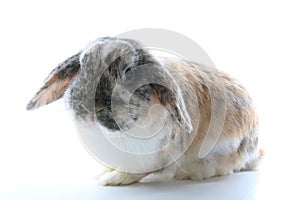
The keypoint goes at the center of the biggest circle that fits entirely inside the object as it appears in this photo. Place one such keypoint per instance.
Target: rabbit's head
(115, 81)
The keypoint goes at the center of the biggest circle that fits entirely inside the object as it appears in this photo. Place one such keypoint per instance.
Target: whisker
(102, 108)
(83, 106)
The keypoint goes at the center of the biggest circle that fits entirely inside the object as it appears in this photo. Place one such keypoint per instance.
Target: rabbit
(78, 78)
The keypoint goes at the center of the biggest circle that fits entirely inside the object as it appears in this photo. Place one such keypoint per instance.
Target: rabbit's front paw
(119, 178)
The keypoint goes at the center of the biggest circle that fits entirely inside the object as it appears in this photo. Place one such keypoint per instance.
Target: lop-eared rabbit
(92, 75)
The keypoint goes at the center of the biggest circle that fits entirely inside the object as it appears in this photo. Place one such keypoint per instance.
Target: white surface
(257, 42)
(246, 186)
(239, 186)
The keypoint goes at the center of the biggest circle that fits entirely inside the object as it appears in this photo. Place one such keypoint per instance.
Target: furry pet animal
(96, 70)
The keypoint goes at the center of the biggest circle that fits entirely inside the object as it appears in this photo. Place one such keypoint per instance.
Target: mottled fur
(88, 80)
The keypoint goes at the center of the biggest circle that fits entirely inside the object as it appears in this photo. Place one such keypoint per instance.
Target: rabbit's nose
(92, 118)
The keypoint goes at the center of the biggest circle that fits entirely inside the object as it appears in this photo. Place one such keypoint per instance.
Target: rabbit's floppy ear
(166, 90)
(173, 100)
(56, 83)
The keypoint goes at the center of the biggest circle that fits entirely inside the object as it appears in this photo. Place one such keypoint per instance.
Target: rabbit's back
(236, 147)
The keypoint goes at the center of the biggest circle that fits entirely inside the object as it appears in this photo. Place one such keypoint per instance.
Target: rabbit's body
(190, 85)
(236, 148)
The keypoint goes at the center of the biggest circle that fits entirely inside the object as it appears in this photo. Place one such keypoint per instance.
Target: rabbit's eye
(128, 69)
(129, 73)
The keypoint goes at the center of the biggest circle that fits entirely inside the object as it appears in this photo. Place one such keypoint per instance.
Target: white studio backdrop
(257, 42)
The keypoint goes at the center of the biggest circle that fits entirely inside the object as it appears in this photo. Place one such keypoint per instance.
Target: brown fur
(240, 117)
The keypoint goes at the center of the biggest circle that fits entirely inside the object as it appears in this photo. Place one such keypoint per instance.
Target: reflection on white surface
(239, 186)
(246, 186)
